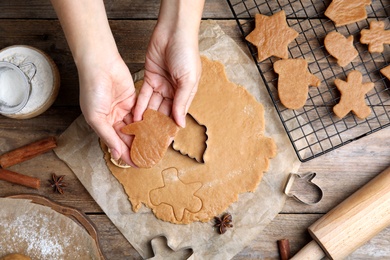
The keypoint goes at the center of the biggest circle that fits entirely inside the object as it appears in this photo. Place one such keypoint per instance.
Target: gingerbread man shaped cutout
(294, 81)
(375, 37)
(176, 194)
(352, 96)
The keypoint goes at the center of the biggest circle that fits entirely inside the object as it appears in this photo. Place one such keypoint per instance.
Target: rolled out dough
(181, 190)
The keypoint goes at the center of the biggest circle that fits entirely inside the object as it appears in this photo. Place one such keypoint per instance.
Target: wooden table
(339, 173)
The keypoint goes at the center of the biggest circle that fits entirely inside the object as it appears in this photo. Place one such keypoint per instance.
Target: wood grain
(116, 9)
(339, 173)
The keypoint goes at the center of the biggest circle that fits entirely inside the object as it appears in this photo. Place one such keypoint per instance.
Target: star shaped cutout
(177, 194)
(353, 92)
(271, 36)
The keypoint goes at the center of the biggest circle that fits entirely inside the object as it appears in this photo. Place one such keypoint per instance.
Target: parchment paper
(79, 148)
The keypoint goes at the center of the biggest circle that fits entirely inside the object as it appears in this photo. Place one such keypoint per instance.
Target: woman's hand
(107, 96)
(172, 66)
(107, 92)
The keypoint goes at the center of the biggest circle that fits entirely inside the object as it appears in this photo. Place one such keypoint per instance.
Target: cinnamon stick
(284, 249)
(20, 179)
(27, 152)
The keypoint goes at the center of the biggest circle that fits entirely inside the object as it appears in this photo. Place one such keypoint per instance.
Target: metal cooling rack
(315, 130)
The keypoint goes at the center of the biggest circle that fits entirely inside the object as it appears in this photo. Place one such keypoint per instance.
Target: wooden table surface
(33, 22)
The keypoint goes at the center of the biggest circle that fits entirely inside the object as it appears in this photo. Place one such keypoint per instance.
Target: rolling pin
(352, 223)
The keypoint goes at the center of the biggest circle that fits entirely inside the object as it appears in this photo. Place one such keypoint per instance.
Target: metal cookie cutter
(301, 188)
(21, 83)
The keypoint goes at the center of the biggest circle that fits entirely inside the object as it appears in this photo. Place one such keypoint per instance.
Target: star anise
(57, 183)
(223, 223)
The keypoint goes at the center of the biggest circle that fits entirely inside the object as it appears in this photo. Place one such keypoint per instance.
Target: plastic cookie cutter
(301, 188)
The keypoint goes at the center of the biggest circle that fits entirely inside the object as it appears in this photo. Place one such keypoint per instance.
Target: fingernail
(182, 122)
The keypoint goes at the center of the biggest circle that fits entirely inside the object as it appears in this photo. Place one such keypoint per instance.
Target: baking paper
(79, 148)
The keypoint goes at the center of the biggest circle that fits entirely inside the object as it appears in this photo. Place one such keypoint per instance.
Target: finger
(128, 119)
(126, 138)
(166, 106)
(144, 96)
(127, 141)
(109, 136)
(155, 101)
(182, 102)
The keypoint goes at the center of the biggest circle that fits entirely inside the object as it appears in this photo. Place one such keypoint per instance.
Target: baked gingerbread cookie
(343, 12)
(294, 81)
(271, 36)
(182, 190)
(375, 37)
(353, 92)
(152, 136)
(341, 48)
(386, 72)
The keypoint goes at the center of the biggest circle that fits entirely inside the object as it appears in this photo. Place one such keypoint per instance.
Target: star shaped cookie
(271, 36)
(352, 96)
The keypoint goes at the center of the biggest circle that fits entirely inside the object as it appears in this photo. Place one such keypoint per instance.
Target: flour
(12, 87)
(39, 72)
(39, 242)
(41, 233)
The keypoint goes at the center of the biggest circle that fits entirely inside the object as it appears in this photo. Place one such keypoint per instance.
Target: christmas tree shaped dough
(236, 157)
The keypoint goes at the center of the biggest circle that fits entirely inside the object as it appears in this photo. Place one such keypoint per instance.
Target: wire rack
(314, 130)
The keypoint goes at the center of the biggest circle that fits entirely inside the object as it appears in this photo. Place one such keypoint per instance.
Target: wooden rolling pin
(352, 223)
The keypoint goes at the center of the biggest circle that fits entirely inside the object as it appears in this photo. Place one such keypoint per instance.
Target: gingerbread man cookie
(375, 37)
(153, 135)
(343, 12)
(352, 96)
(340, 47)
(271, 36)
(294, 81)
(186, 199)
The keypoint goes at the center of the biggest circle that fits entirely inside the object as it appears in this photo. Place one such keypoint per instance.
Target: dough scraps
(352, 96)
(343, 12)
(375, 37)
(237, 154)
(341, 48)
(152, 137)
(271, 36)
(294, 81)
